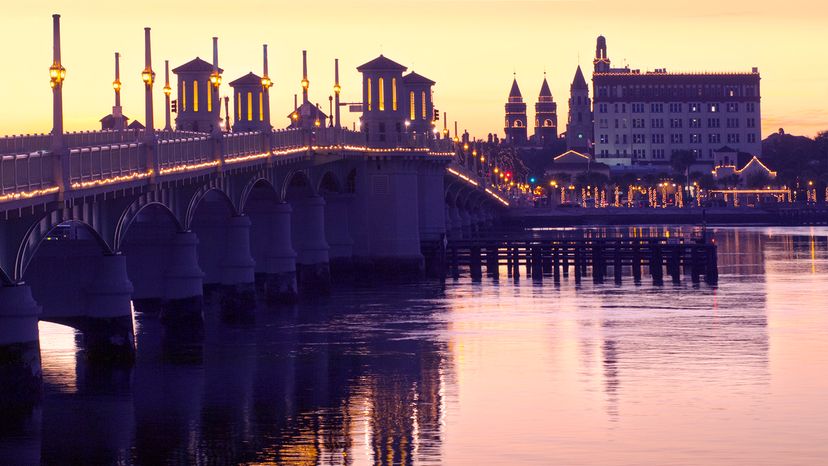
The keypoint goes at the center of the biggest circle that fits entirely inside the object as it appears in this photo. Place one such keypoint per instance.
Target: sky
(470, 47)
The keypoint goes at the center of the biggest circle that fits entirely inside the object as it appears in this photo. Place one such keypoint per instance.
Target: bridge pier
(455, 222)
(270, 237)
(183, 298)
(20, 373)
(107, 327)
(431, 199)
(308, 232)
(237, 268)
(338, 234)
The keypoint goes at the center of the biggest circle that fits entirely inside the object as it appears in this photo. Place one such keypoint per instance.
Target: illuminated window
(238, 105)
(394, 94)
(195, 96)
(249, 106)
(412, 112)
(381, 98)
(423, 97)
(261, 107)
(369, 94)
(209, 97)
(183, 95)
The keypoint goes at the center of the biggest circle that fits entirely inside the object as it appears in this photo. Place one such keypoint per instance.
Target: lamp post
(148, 76)
(337, 90)
(117, 113)
(215, 82)
(266, 84)
(167, 92)
(57, 73)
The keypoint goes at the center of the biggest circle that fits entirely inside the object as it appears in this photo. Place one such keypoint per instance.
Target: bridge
(97, 224)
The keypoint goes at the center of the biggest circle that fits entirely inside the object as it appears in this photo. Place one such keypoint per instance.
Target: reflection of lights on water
(58, 356)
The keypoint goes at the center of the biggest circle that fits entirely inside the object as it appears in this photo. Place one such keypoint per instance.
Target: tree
(591, 179)
(757, 180)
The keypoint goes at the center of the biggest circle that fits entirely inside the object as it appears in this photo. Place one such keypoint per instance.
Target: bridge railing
(178, 152)
(103, 162)
(288, 138)
(26, 172)
(235, 144)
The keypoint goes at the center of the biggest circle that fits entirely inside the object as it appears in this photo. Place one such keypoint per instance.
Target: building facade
(546, 117)
(643, 118)
(579, 122)
(515, 123)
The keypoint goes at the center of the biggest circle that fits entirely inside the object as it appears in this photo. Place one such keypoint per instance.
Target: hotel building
(642, 118)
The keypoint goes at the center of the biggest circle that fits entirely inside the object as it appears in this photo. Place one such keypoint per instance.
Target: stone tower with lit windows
(579, 123)
(601, 61)
(383, 113)
(546, 116)
(515, 117)
(419, 108)
(249, 105)
(197, 110)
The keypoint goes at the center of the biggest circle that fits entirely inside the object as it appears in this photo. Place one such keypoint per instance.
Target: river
(467, 373)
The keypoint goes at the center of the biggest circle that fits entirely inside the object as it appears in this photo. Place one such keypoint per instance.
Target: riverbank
(535, 217)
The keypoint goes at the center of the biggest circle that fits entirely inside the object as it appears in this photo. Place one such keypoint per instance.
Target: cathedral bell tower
(515, 117)
(579, 124)
(601, 61)
(546, 116)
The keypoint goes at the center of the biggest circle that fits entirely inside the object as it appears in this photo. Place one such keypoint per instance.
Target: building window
(638, 123)
(714, 123)
(751, 107)
(602, 123)
(381, 96)
(751, 122)
(423, 98)
(183, 95)
(733, 138)
(547, 123)
(412, 107)
(695, 108)
(638, 139)
(658, 123)
(695, 138)
(394, 94)
(657, 108)
(638, 108)
(369, 94)
(249, 106)
(713, 108)
(675, 108)
(675, 123)
(195, 96)
(604, 139)
(695, 122)
(714, 138)
(602, 108)
(261, 107)
(209, 96)
(238, 105)
(658, 139)
(732, 122)
(677, 138)
(732, 107)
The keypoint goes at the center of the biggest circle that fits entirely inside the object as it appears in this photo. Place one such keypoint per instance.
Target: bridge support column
(455, 222)
(237, 269)
(20, 374)
(431, 193)
(465, 222)
(183, 288)
(273, 252)
(312, 260)
(338, 234)
(107, 330)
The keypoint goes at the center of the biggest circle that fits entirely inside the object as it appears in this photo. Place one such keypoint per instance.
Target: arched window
(381, 91)
(394, 94)
(518, 124)
(249, 106)
(209, 97)
(261, 107)
(412, 111)
(423, 97)
(369, 94)
(548, 123)
(183, 95)
(195, 96)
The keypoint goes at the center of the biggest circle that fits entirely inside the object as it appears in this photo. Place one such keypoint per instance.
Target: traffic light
(532, 180)
(436, 115)
(174, 106)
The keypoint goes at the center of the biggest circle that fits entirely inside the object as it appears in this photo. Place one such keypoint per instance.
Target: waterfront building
(249, 102)
(198, 104)
(743, 167)
(579, 122)
(642, 118)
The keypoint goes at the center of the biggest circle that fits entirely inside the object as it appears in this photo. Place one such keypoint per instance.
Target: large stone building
(643, 118)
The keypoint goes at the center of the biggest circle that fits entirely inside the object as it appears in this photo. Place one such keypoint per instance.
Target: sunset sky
(470, 47)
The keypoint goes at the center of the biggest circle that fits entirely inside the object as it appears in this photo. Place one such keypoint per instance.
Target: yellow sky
(470, 47)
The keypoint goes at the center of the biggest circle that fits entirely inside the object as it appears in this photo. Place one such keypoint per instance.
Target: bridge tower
(383, 116)
(249, 102)
(199, 108)
(419, 107)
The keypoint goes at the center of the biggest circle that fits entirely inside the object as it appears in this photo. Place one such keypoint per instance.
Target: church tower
(579, 124)
(546, 116)
(601, 61)
(515, 117)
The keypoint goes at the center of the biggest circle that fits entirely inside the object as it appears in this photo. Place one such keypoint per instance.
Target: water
(471, 374)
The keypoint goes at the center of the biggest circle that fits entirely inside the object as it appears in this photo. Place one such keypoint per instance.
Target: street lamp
(148, 76)
(266, 82)
(57, 73)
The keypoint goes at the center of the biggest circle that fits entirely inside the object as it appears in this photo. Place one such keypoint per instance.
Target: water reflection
(470, 373)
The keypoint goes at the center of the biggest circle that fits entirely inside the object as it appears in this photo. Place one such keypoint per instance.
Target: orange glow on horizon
(473, 70)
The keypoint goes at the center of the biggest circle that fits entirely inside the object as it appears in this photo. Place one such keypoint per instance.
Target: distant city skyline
(470, 47)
